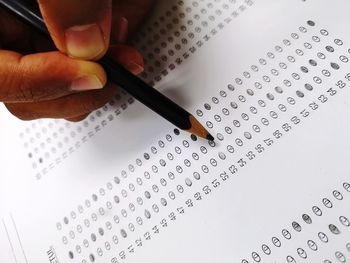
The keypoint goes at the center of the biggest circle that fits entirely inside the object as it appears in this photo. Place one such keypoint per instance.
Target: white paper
(123, 187)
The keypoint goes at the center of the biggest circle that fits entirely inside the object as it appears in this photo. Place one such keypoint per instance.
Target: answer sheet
(269, 78)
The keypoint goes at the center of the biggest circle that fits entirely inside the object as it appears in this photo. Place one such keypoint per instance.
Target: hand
(36, 82)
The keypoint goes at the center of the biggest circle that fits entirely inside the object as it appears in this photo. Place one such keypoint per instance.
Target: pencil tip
(210, 137)
(199, 130)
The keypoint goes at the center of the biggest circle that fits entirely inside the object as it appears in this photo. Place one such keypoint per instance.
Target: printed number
(242, 162)
(233, 169)
(164, 223)
(215, 183)
(155, 230)
(138, 242)
(198, 196)
(122, 255)
(172, 216)
(313, 106)
(341, 84)
(277, 134)
(268, 142)
(332, 91)
(305, 113)
(147, 235)
(347, 77)
(131, 249)
(189, 203)
(224, 176)
(181, 210)
(286, 127)
(323, 99)
(206, 190)
(250, 155)
(259, 148)
(295, 120)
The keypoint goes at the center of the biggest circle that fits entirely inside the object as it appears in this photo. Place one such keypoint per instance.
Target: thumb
(80, 29)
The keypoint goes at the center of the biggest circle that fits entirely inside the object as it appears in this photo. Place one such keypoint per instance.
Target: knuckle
(24, 93)
(16, 84)
(28, 86)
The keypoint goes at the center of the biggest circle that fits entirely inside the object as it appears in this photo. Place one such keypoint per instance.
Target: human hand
(36, 82)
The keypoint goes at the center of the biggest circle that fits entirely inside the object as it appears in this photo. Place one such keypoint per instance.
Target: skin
(37, 76)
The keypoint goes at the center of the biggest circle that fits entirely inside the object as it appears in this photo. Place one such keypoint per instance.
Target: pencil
(116, 73)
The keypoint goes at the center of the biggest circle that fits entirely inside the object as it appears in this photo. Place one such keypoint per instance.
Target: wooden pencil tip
(210, 137)
(199, 130)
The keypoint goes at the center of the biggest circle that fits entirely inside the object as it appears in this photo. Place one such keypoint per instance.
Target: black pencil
(116, 73)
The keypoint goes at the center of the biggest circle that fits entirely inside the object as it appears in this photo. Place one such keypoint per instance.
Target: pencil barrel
(146, 94)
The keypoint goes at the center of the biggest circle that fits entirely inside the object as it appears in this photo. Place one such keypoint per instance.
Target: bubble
(146, 156)
(231, 87)
(248, 135)
(116, 199)
(307, 218)
(316, 39)
(335, 66)
(279, 90)
(334, 229)
(304, 69)
(300, 94)
(309, 87)
(147, 195)
(250, 92)
(222, 156)
(220, 137)
(296, 226)
(123, 233)
(163, 202)
(234, 105)
(270, 96)
(147, 214)
(188, 182)
(311, 23)
(330, 49)
(207, 106)
(196, 176)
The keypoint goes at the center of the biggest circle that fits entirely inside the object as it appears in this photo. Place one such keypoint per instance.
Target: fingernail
(134, 68)
(86, 83)
(85, 41)
(122, 30)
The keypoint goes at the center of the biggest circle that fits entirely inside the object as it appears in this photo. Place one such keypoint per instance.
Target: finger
(14, 34)
(121, 31)
(80, 29)
(46, 76)
(134, 11)
(20, 37)
(130, 58)
(69, 107)
(13, 30)
(79, 118)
